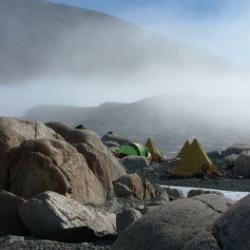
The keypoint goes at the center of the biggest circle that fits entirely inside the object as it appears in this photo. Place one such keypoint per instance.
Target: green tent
(132, 149)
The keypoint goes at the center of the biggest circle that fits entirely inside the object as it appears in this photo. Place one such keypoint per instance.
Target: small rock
(196, 192)
(174, 193)
(135, 163)
(140, 189)
(126, 217)
(242, 165)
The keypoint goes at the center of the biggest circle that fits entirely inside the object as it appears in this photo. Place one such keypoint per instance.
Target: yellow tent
(183, 149)
(155, 152)
(194, 160)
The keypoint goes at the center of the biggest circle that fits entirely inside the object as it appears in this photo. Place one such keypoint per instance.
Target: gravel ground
(158, 175)
(222, 183)
(19, 243)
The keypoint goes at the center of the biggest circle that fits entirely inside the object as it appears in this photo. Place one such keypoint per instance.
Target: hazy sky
(220, 26)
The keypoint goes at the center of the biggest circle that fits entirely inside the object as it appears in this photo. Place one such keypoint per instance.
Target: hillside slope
(166, 119)
(40, 38)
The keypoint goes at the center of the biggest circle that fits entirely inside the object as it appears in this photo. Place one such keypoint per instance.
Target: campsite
(191, 166)
(67, 188)
(124, 125)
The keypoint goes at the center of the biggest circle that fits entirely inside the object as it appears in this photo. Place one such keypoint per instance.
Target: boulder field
(61, 188)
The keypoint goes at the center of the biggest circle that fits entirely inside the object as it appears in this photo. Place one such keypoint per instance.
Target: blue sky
(219, 26)
(194, 9)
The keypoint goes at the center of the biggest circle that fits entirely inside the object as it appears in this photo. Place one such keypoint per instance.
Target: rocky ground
(223, 183)
(20, 243)
(64, 186)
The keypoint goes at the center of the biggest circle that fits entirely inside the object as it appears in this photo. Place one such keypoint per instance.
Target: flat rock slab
(49, 213)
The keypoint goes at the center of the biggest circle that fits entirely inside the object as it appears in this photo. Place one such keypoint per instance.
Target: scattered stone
(126, 217)
(174, 193)
(49, 213)
(230, 160)
(196, 192)
(135, 163)
(32, 244)
(132, 185)
(242, 165)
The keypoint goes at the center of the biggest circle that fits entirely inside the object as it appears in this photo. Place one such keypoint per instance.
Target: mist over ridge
(54, 54)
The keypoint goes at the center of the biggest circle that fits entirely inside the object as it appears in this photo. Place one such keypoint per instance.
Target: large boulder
(50, 212)
(232, 228)
(236, 149)
(113, 137)
(173, 225)
(242, 165)
(41, 165)
(135, 163)
(127, 217)
(132, 185)
(15, 131)
(101, 161)
(10, 222)
(230, 160)
(202, 241)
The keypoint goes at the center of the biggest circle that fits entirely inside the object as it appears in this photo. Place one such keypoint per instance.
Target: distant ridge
(43, 39)
(170, 125)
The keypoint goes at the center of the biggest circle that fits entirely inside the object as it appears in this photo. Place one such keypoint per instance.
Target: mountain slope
(166, 119)
(40, 39)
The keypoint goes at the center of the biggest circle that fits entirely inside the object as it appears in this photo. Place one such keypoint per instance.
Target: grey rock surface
(135, 163)
(55, 165)
(10, 223)
(15, 131)
(126, 217)
(242, 165)
(171, 226)
(202, 241)
(233, 227)
(100, 160)
(50, 212)
(196, 192)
